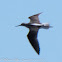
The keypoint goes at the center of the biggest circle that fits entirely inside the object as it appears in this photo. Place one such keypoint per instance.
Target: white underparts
(35, 24)
(45, 24)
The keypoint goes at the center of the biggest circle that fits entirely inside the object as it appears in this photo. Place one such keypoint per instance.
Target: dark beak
(17, 25)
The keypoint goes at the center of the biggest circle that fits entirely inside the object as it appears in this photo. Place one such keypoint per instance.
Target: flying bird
(34, 25)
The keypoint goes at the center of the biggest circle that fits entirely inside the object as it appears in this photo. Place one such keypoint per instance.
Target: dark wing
(32, 36)
(34, 18)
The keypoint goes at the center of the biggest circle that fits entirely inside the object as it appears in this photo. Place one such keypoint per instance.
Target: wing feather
(34, 18)
(32, 36)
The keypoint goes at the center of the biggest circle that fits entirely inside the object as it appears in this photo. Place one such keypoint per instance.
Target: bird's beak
(18, 25)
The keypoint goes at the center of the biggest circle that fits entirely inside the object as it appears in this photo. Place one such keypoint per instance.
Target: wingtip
(36, 15)
(38, 52)
(40, 13)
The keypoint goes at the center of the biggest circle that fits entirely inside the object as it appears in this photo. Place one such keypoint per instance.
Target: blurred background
(14, 45)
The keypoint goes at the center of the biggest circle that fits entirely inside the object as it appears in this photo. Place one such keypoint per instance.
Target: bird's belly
(35, 24)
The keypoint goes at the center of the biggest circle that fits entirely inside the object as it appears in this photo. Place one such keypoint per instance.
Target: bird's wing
(34, 18)
(32, 36)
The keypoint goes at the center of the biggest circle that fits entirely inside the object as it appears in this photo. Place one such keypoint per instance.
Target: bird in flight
(34, 25)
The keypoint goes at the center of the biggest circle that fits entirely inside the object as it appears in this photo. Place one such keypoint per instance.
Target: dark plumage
(34, 26)
(32, 36)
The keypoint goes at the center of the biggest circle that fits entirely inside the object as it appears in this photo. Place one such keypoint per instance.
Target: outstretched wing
(34, 18)
(32, 36)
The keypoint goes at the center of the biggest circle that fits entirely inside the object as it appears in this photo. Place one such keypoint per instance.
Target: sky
(14, 45)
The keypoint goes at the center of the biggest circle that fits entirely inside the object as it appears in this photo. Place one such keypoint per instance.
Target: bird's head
(23, 24)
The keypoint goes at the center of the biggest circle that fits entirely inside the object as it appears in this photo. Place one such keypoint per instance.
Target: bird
(34, 25)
